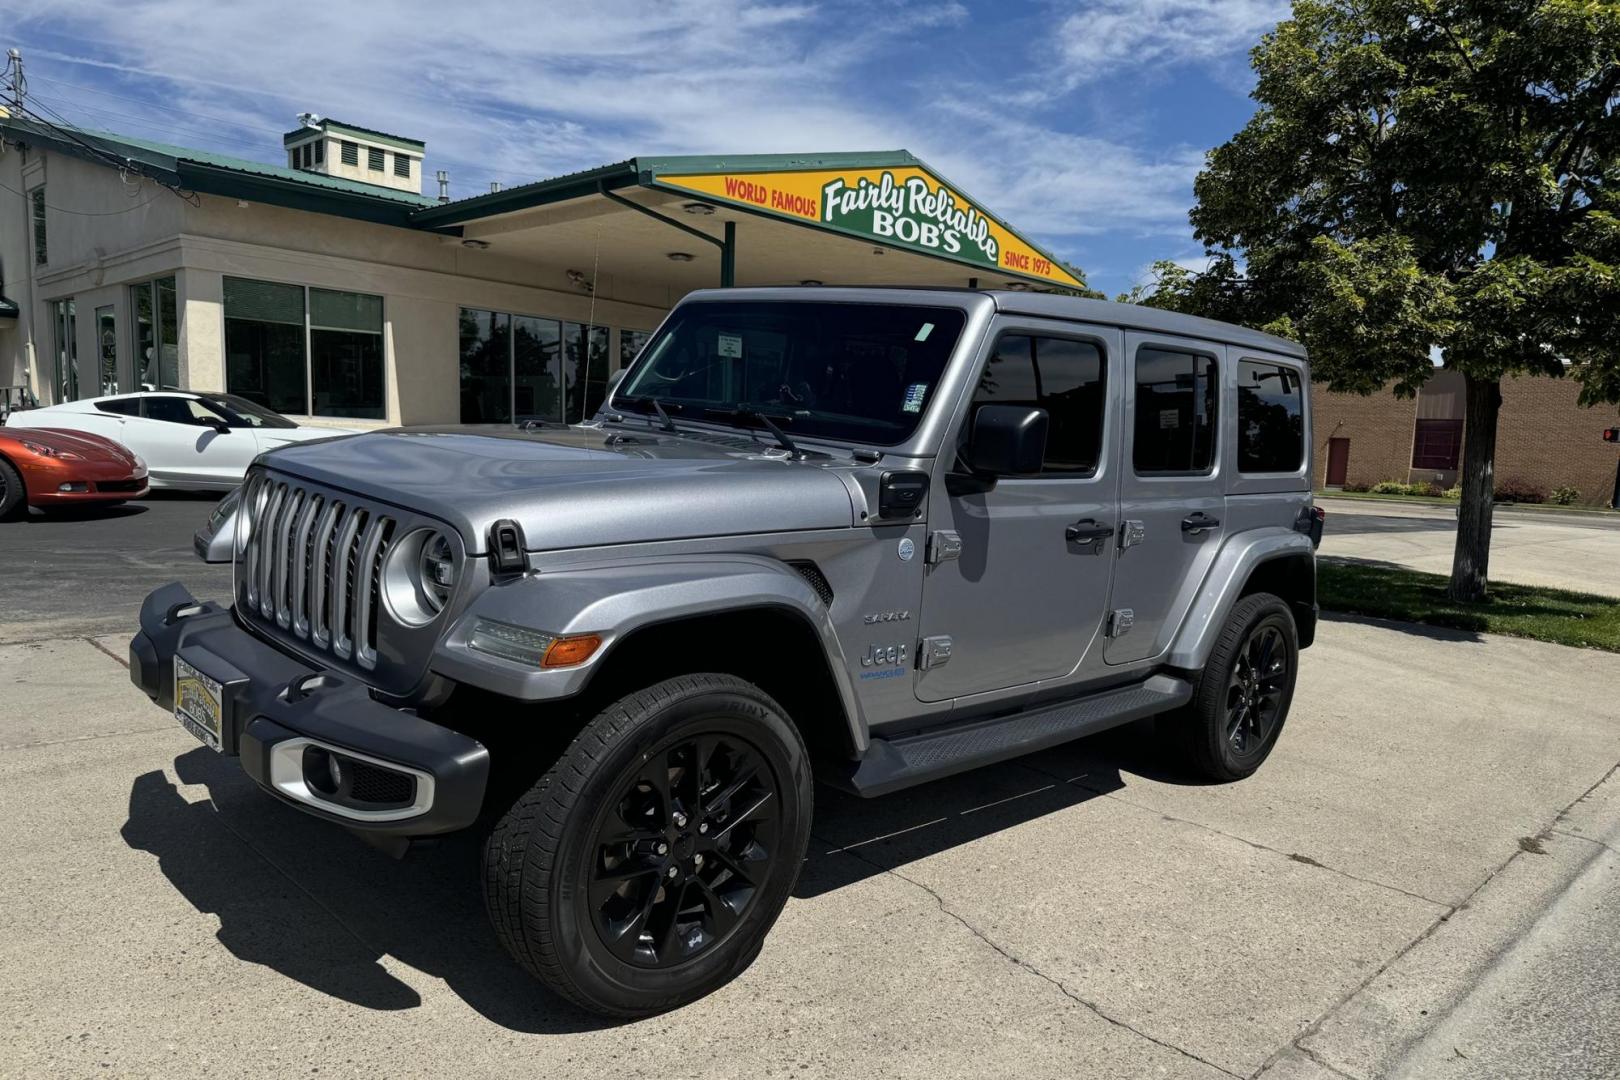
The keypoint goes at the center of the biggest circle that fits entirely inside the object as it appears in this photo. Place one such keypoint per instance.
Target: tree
(1426, 173)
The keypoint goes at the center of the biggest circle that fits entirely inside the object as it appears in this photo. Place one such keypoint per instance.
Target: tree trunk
(1472, 556)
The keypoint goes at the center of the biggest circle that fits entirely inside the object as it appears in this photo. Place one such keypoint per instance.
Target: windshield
(239, 412)
(847, 372)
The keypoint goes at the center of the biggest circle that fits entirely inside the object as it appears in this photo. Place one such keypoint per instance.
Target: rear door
(1172, 498)
(1023, 599)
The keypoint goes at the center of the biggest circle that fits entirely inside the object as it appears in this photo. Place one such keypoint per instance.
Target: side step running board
(892, 764)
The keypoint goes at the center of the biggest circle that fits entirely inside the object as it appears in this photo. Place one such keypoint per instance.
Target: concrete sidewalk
(1081, 913)
(1560, 551)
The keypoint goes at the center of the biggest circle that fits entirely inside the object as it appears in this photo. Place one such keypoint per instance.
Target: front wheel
(645, 868)
(1243, 694)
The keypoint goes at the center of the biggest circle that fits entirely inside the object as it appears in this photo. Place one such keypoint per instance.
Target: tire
(1236, 714)
(646, 945)
(13, 493)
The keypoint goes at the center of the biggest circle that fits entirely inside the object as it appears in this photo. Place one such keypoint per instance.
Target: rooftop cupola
(334, 148)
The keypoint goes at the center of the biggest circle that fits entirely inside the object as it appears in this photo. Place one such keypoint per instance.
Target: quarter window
(1061, 375)
(1271, 418)
(1176, 395)
(128, 406)
(37, 201)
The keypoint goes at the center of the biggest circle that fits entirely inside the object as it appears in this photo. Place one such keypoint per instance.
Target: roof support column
(728, 257)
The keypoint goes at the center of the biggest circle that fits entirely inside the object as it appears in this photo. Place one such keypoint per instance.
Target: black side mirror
(1007, 440)
(222, 427)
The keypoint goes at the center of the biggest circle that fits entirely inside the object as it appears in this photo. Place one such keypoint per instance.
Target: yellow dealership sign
(905, 206)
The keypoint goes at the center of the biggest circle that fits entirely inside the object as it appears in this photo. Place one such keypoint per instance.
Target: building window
(346, 354)
(519, 367)
(264, 344)
(314, 352)
(631, 342)
(65, 384)
(1437, 444)
(292, 158)
(1271, 418)
(37, 199)
(374, 159)
(1176, 396)
(402, 166)
(157, 335)
(320, 152)
(1061, 375)
(107, 349)
(350, 152)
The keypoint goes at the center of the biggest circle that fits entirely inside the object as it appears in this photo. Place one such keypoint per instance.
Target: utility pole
(18, 85)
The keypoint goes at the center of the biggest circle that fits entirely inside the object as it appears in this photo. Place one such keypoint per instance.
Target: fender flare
(616, 599)
(1223, 585)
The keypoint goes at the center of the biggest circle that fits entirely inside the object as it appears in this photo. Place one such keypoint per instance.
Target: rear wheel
(1244, 692)
(13, 495)
(645, 868)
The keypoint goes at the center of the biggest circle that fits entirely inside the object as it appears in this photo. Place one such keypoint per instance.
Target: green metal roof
(338, 127)
(219, 174)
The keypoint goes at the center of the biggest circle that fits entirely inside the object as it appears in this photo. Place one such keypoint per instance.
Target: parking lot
(1399, 891)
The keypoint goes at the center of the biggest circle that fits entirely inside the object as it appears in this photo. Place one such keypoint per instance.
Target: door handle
(1087, 530)
(1199, 523)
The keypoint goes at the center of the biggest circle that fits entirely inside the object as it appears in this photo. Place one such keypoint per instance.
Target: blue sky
(1080, 123)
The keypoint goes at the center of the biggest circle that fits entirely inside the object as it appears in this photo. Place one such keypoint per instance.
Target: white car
(197, 441)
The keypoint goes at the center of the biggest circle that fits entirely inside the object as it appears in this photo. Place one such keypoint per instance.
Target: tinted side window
(1271, 421)
(1176, 397)
(127, 406)
(1060, 375)
(177, 411)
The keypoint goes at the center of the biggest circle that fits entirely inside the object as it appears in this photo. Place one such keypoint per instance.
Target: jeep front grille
(311, 566)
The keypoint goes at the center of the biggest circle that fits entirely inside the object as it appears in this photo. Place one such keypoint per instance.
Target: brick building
(1544, 439)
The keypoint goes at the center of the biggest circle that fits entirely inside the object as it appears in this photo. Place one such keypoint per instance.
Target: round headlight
(418, 576)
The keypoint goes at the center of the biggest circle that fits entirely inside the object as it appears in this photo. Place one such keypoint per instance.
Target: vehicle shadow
(323, 908)
(85, 512)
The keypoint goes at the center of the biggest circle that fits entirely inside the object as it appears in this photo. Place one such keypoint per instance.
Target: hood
(582, 486)
(89, 447)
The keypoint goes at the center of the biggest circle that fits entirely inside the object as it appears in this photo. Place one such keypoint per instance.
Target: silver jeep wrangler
(894, 533)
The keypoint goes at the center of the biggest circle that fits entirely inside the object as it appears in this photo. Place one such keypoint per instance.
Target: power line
(157, 105)
(84, 213)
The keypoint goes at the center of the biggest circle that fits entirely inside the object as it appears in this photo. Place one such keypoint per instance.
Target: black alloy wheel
(1241, 699)
(1254, 692)
(681, 854)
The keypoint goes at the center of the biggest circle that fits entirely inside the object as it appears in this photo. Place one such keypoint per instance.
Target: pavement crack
(1018, 961)
(1590, 840)
(122, 661)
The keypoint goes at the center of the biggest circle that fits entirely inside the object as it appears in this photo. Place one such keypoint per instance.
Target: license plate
(197, 700)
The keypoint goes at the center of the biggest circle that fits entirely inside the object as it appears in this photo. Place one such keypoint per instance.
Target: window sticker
(1169, 418)
(730, 345)
(914, 397)
(927, 328)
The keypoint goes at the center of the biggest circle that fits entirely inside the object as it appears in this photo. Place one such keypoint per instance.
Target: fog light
(76, 487)
(510, 642)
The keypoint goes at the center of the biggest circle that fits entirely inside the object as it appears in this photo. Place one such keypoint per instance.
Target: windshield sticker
(927, 328)
(730, 345)
(914, 397)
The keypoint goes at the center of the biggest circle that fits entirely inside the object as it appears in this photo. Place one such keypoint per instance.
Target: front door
(1023, 600)
(1338, 461)
(1171, 493)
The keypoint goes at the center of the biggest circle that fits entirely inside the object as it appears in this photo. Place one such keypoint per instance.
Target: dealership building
(328, 287)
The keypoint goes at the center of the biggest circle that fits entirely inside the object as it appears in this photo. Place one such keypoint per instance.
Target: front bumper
(279, 715)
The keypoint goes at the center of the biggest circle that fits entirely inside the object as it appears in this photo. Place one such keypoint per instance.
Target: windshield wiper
(664, 421)
(747, 414)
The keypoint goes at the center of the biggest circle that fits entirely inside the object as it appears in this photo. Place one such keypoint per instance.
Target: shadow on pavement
(321, 907)
(84, 512)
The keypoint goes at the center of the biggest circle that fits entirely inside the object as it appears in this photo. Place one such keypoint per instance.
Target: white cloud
(1104, 36)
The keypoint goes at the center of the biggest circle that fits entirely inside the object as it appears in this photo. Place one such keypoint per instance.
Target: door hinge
(933, 652)
(943, 545)
(1120, 621)
(1131, 533)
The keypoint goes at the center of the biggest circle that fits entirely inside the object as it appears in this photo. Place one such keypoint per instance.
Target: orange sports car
(50, 468)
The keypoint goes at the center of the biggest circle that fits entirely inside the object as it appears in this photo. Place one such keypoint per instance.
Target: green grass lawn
(1565, 618)
(1436, 500)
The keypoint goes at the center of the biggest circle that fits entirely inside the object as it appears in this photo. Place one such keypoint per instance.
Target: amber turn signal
(568, 651)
